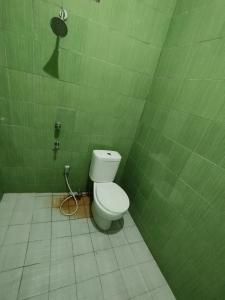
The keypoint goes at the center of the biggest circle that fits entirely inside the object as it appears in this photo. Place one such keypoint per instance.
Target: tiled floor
(44, 255)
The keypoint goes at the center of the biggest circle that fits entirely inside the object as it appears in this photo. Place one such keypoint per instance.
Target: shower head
(59, 27)
(58, 24)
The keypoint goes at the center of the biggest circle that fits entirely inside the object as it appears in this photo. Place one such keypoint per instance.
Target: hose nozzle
(66, 170)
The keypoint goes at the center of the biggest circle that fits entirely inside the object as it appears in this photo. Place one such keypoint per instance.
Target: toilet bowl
(110, 201)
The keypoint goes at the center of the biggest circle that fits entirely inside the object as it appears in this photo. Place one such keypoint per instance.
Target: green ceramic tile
(19, 52)
(120, 14)
(97, 41)
(47, 91)
(212, 16)
(77, 31)
(189, 203)
(141, 19)
(164, 91)
(159, 28)
(184, 28)
(80, 8)
(4, 92)
(202, 57)
(165, 5)
(170, 154)
(211, 145)
(21, 86)
(17, 16)
(119, 45)
(3, 61)
(70, 95)
(5, 114)
(212, 187)
(21, 113)
(185, 128)
(101, 13)
(201, 97)
(44, 55)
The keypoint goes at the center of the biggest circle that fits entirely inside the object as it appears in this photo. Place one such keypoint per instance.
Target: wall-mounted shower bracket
(63, 14)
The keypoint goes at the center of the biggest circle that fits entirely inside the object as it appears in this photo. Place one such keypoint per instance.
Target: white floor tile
(57, 216)
(90, 289)
(162, 293)
(67, 293)
(85, 267)
(79, 226)
(42, 215)
(25, 202)
(17, 234)
(124, 256)
(10, 199)
(5, 216)
(132, 234)
(113, 286)
(115, 226)
(60, 229)
(39, 297)
(9, 284)
(127, 220)
(3, 230)
(62, 273)
(100, 241)
(43, 201)
(61, 248)
(38, 252)
(21, 217)
(106, 261)
(92, 226)
(152, 275)
(40, 231)
(12, 256)
(82, 244)
(141, 252)
(118, 238)
(145, 296)
(134, 281)
(35, 281)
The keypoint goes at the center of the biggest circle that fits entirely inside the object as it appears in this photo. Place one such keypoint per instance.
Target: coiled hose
(71, 195)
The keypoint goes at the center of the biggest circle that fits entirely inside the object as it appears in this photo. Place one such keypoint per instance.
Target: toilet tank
(104, 165)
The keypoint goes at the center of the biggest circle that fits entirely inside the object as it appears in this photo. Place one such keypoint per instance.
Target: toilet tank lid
(107, 155)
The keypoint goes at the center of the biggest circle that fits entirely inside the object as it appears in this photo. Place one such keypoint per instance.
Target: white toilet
(110, 200)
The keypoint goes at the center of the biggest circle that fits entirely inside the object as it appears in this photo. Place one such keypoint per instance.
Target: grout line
(24, 264)
(74, 268)
(50, 263)
(94, 252)
(32, 297)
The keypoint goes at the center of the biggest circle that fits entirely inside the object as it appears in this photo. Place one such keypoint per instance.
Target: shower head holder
(63, 14)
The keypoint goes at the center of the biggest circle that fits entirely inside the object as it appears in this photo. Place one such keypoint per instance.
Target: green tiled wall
(175, 174)
(106, 65)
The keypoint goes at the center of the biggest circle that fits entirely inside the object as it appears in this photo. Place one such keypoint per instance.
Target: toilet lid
(112, 197)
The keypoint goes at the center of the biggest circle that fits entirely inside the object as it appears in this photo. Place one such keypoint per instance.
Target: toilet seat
(112, 197)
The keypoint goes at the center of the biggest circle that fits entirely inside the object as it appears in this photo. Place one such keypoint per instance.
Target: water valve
(56, 146)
